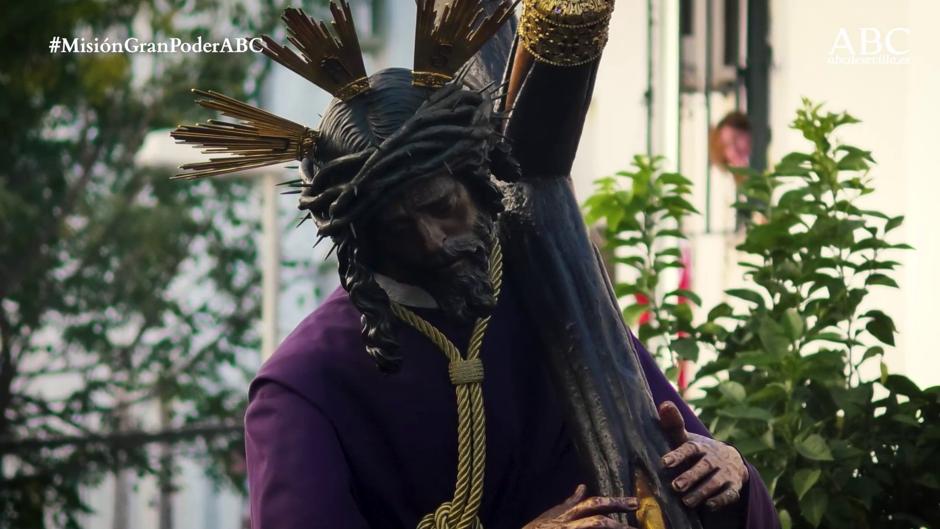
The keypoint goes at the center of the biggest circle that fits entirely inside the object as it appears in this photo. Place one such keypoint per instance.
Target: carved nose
(432, 237)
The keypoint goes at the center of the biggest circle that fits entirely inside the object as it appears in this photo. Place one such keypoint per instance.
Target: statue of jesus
(472, 371)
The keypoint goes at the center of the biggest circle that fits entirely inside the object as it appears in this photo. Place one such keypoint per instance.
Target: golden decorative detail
(565, 32)
(444, 43)
(649, 514)
(353, 89)
(429, 79)
(334, 64)
(465, 371)
(259, 138)
(332, 60)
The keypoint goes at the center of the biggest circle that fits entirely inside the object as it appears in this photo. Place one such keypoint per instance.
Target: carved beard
(463, 290)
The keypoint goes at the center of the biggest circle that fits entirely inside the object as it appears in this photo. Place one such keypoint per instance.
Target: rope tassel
(466, 373)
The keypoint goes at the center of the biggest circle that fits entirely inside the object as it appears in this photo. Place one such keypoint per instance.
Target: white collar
(405, 294)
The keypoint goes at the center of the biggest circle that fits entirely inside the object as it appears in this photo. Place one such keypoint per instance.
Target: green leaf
(855, 159)
(803, 480)
(827, 336)
(884, 373)
(785, 521)
(678, 203)
(625, 289)
(813, 506)
(794, 163)
(683, 312)
(745, 412)
(672, 373)
(773, 337)
(670, 233)
(773, 235)
(761, 359)
(902, 385)
(675, 179)
(894, 223)
(633, 312)
(814, 447)
(876, 350)
(770, 393)
(767, 438)
(881, 326)
(792, 323)
(721, 310)
(733, 390)
(747, 445)
(881, 279)
(688, 294)
(746, 295)
(686, 348)
(635, 261)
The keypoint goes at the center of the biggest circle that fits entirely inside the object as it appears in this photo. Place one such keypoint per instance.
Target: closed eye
(442, 206)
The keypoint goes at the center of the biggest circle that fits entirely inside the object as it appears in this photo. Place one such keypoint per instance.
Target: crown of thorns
(332, 60)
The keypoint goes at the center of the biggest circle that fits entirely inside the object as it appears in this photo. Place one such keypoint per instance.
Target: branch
(49, 412)
(175, 371)
(123, 440)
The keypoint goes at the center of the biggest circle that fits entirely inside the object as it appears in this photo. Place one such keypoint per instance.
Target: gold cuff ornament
(565, 32)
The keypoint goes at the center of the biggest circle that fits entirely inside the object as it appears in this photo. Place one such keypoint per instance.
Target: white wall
(900, 113)
(615, 129)
(898, 105)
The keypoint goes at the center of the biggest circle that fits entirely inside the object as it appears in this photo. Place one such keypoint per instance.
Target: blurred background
(135, 310)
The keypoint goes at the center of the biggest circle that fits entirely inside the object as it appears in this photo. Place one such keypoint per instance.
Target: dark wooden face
(408, 234)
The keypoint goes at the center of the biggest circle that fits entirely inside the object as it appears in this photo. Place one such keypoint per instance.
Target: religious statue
(473, 370)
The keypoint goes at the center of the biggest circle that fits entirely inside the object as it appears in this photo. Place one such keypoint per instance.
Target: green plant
(642, 212)
(120, 290)
(797, 382)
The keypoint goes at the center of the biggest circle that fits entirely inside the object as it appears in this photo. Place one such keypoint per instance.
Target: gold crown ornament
(332, 60)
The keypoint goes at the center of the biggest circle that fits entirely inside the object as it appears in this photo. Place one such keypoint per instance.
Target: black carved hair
(371, 146)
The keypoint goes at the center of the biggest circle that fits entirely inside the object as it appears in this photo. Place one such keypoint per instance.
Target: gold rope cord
(466, 373)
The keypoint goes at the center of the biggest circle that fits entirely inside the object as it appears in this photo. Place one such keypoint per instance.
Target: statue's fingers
(672, 423)
(690, 477)
(599, 505)
(682, 454)
(579, 492)
(709, 488)
(724, 499)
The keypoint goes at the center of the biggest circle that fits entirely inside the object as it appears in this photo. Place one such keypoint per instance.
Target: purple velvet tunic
(333, 443)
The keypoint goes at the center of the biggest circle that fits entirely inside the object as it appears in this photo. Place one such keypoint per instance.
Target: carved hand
(578, 512)
(712, 472)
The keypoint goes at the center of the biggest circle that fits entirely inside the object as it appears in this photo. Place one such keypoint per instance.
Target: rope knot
(465, 371)
(444, 518)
